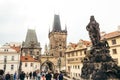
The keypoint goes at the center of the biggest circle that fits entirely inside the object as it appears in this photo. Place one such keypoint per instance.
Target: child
(43, 77)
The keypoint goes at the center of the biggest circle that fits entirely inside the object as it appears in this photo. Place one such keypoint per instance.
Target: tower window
(30, 52)
(60, 54)
(68, 54)
(38, 53)
(26, 58)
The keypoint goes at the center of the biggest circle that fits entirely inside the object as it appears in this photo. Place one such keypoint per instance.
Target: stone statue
(94, 31)
(97, 63)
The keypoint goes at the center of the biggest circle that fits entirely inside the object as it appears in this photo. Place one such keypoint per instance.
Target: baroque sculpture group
(98, 64)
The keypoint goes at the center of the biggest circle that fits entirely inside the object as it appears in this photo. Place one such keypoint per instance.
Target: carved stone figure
(94, 31)
(98, 64)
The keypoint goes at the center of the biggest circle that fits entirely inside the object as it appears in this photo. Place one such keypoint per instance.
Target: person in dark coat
(7, 76)
(34, 74)
(48, 76)
(1, 75)
(30, 74)
(55, 76)
(60, 76)
(22, 75)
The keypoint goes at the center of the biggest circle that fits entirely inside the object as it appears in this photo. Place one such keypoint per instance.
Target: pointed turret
(31, 39)
(56, 24)
(46, 50)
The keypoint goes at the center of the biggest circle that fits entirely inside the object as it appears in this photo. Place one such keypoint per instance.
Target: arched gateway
(47, 65)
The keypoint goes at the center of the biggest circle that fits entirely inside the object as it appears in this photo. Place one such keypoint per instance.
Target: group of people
(36, 75)
(40, 75)
(7, 76)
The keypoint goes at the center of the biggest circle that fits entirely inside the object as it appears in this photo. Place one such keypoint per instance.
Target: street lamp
(20, 65)
(5, 61)
(59, 63)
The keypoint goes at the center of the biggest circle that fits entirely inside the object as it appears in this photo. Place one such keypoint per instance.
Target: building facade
(9, 59)
(29, 64)
(113, 39)
(75, 53)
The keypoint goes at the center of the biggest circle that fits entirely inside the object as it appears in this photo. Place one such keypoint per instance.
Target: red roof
(111, 35)
(73, 45)
(16, 48)
(28, 58)
(86, 43)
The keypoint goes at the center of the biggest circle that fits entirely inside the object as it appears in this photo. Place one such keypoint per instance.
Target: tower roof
(31, 39)
(56, 24)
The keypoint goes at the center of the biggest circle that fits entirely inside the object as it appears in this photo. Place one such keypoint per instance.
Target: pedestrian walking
(15, 76)
(60, 76)
(48, 76)
(22, 75)
(7, 76)
(38, 77)
(30, 75)
(43, 77)
(1, 75)
(34, 74)
(27, 75)
(55, 75)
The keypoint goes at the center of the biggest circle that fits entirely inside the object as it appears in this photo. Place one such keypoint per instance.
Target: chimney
(119, 28)
(102, 33)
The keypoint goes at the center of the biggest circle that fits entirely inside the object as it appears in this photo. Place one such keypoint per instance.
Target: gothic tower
(57, 39)
(31, 45)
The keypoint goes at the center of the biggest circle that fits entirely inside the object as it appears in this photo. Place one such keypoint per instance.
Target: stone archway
(47, 65)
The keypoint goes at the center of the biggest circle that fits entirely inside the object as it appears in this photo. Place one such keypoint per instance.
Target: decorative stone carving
(98, 64)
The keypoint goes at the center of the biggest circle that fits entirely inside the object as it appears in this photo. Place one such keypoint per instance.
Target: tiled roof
(111, 35)
(73, 45)
(16, 48)
(86, 43)
(27, 58)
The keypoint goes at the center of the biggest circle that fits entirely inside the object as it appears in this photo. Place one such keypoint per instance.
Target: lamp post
(59, 63)
(20, 65)
(5, 61)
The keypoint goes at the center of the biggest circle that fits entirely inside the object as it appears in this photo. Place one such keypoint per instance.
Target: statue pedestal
(98, 64)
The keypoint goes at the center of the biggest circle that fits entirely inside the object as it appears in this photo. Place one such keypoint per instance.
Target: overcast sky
(16, 16)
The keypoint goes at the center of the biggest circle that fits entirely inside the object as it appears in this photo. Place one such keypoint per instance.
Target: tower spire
(31, 39)
(56, 24)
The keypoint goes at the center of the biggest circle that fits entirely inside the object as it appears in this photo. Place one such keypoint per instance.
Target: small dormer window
(26, 58)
